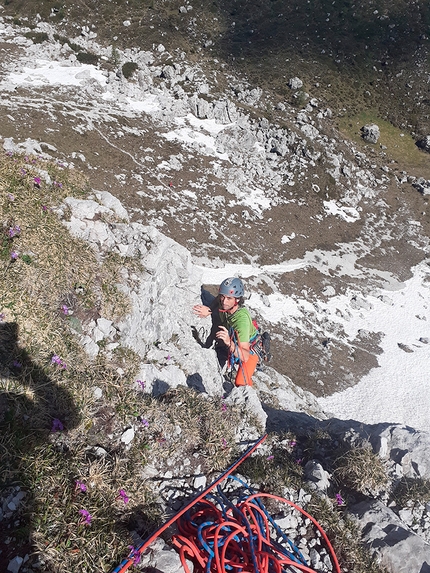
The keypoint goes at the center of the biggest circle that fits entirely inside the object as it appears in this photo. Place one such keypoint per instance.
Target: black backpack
(261, 345)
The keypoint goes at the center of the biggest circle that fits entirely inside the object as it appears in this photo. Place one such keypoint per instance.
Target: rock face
(396, 547)
(370, 133)
(424, 143)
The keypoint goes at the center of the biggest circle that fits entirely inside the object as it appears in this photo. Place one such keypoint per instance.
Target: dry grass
(410, 492)
(361, 470)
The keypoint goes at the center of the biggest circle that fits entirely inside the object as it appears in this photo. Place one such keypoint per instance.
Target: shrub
(37, 37)
(87, 58)
(410, 490)
(128, 69)
(361, 470)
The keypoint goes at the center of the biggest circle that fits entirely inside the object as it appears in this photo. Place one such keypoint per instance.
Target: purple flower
(2, 315)
(339, 499)
(58, 184)
(11, 197)
(14, 255)
(141, 384)
(58, 361)
(144, 422)
(80, 486)
(299, 461)
(270, 457)
(16, 364)
(37, 181)
(134, 554)
(13, 231)
(44, 208)
(9, 153)
(223, 407)
(86, 517)
(122, 495)
(57, 426)
(65, 309)
(293, 443)
(224, 443)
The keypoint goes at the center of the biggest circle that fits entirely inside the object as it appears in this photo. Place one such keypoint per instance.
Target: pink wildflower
(65, 309)
(37, 181)
(270, 457)
(141, 384)
(80, 486)
(11, 197)
(86, 517)
(58, 361)
(14, 255)
(134, 554)
(122, 495)
(339, 499)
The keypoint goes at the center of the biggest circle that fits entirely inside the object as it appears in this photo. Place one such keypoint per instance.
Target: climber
(235, 329)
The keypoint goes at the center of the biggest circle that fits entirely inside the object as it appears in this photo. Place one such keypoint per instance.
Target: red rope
(233, 551)
(238, 538)
(137, 552)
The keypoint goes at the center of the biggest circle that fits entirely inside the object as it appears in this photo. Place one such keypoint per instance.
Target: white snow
(348, 213)
(398, 391)
(48, 72)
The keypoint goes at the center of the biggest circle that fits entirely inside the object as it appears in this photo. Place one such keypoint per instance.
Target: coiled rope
(135, 553)
(220, 536)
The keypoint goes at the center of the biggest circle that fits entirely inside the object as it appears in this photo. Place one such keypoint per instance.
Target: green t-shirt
(241, 322)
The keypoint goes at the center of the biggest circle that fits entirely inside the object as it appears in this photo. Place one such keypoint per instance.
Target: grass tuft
(361, 470)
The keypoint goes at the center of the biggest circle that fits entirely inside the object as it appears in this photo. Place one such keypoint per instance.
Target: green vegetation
(410, 492)
(362, 471)
(128, 69)
(37, 37)
(397, 143)
(87, 58)
(51, 423)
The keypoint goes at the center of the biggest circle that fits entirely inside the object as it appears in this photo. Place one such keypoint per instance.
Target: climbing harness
(220, 536)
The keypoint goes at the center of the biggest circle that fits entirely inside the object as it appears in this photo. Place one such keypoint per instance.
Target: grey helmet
(232, 287)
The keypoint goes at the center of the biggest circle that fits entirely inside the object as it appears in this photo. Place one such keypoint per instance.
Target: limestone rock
(246, 396)
(424, 143)
(295, 83)
(397, 548)
(316, 475)
(370, 133)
